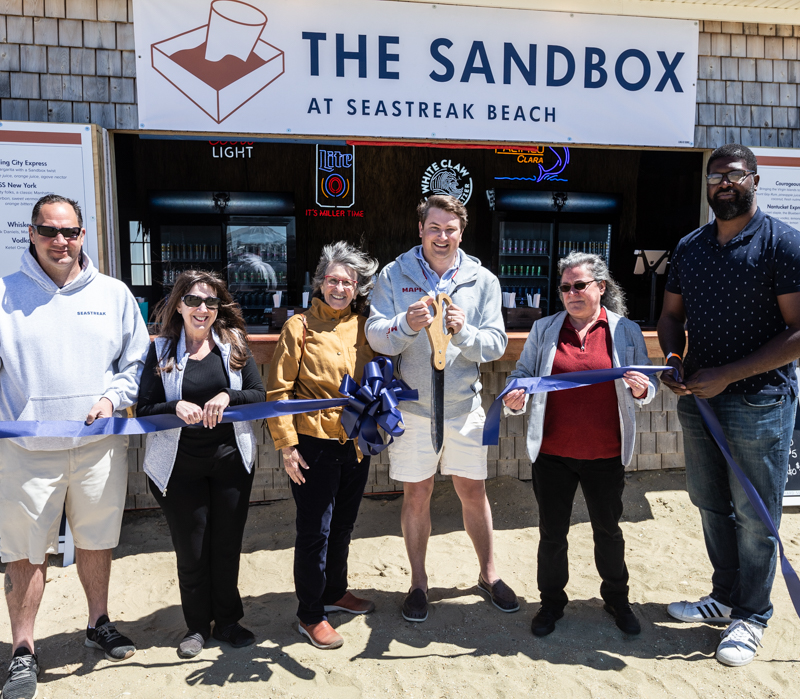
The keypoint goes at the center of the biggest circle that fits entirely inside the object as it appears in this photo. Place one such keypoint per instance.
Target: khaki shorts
(412, 459)
(91, 480)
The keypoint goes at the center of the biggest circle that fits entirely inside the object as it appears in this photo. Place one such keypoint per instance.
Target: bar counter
(659, 440)
(263, 346)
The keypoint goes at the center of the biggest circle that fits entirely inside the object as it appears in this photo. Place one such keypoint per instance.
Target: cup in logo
(233, 29)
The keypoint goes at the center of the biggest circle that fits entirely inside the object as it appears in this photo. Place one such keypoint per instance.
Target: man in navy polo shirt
(735, 284)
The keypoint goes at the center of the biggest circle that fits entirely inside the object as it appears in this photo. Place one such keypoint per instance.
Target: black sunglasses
(194, 301)
(578, 286)
(734, 176)
(50, 232)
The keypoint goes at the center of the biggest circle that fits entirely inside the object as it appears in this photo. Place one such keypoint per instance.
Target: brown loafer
(500, 594)
(322, 635)
(351, 604)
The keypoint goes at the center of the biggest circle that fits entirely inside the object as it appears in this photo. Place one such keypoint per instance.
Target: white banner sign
(38, 159)
(392, 69)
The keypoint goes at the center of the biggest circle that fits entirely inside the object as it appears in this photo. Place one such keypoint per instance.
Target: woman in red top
(583, 435)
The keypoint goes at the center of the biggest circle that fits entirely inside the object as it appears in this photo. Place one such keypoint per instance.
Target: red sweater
(583, 423)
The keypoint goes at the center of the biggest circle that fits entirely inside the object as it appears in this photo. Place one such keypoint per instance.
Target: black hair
(54, 199)
(734, 151)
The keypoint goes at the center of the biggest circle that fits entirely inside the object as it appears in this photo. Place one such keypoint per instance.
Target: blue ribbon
(576, 379)
(559, 382)
(374, 404)
(157, 423)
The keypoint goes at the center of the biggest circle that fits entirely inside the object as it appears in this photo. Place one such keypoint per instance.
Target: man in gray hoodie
(72, 347)
(400, 311)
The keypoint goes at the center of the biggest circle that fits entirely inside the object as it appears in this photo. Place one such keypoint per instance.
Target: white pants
(412, 458)
(35, 486)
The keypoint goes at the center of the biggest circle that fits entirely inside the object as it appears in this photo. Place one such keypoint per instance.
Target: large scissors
(439, 337)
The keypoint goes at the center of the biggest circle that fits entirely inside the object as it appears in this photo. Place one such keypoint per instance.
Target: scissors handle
(438, 337)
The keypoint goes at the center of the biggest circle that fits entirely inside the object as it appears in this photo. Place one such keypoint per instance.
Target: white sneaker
(739, 641)
(706, 609)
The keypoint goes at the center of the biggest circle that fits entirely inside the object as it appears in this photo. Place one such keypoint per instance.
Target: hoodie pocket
(43, 408)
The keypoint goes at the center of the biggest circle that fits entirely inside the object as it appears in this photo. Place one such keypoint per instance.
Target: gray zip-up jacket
(63, 349)
(482, 339)
(539, 353)
(162, 447)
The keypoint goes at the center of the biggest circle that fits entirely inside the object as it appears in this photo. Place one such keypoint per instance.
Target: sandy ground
(466, 648)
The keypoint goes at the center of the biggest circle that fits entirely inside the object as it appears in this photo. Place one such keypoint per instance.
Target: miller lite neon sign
(336, 177)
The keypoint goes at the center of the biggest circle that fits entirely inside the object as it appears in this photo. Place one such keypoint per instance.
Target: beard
(740, 204)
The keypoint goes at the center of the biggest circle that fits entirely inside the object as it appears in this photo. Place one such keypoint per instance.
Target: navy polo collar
(747, 232)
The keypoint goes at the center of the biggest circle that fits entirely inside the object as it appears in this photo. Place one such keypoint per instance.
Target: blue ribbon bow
(374, 404)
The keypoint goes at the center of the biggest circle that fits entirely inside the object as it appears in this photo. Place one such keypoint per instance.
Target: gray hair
(342, 253)
(614, 297)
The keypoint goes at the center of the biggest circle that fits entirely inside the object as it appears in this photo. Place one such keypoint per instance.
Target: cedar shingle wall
(68, 61)
(747, 85)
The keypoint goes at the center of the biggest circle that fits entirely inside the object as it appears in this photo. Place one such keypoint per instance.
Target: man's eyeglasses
(578, 286)
(211, 302)
(333, 282)
(734, 176)
(50, 232)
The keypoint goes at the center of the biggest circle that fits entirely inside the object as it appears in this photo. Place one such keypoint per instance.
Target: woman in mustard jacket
(327, 470)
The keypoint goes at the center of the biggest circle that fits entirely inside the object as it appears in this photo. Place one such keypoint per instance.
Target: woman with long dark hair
(202, 474)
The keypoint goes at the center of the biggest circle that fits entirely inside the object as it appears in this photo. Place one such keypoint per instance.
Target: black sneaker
(544, 622)
(234, 634)
(104, 636)
(624, 617)
(22, 673)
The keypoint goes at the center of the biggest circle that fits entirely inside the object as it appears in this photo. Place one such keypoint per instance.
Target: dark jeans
(743, 553)
(206, 508)
(327, 507)
(555, 480)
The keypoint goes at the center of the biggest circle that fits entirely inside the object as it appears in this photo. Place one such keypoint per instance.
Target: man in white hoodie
(399, 312)
(72, 346)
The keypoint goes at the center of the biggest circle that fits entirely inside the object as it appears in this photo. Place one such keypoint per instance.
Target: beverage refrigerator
(254, 254)
(529, 251)
(533, 230)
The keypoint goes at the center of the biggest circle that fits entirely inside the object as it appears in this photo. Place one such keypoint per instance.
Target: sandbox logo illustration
(223, 64)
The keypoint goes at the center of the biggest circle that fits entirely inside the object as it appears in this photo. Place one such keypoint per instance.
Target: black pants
(555, 480)
(206, 508)
(327, 507)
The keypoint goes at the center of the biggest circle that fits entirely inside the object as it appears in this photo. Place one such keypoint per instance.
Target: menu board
(38, 159)
(792, 494)
(779, 183)
(779, 196)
